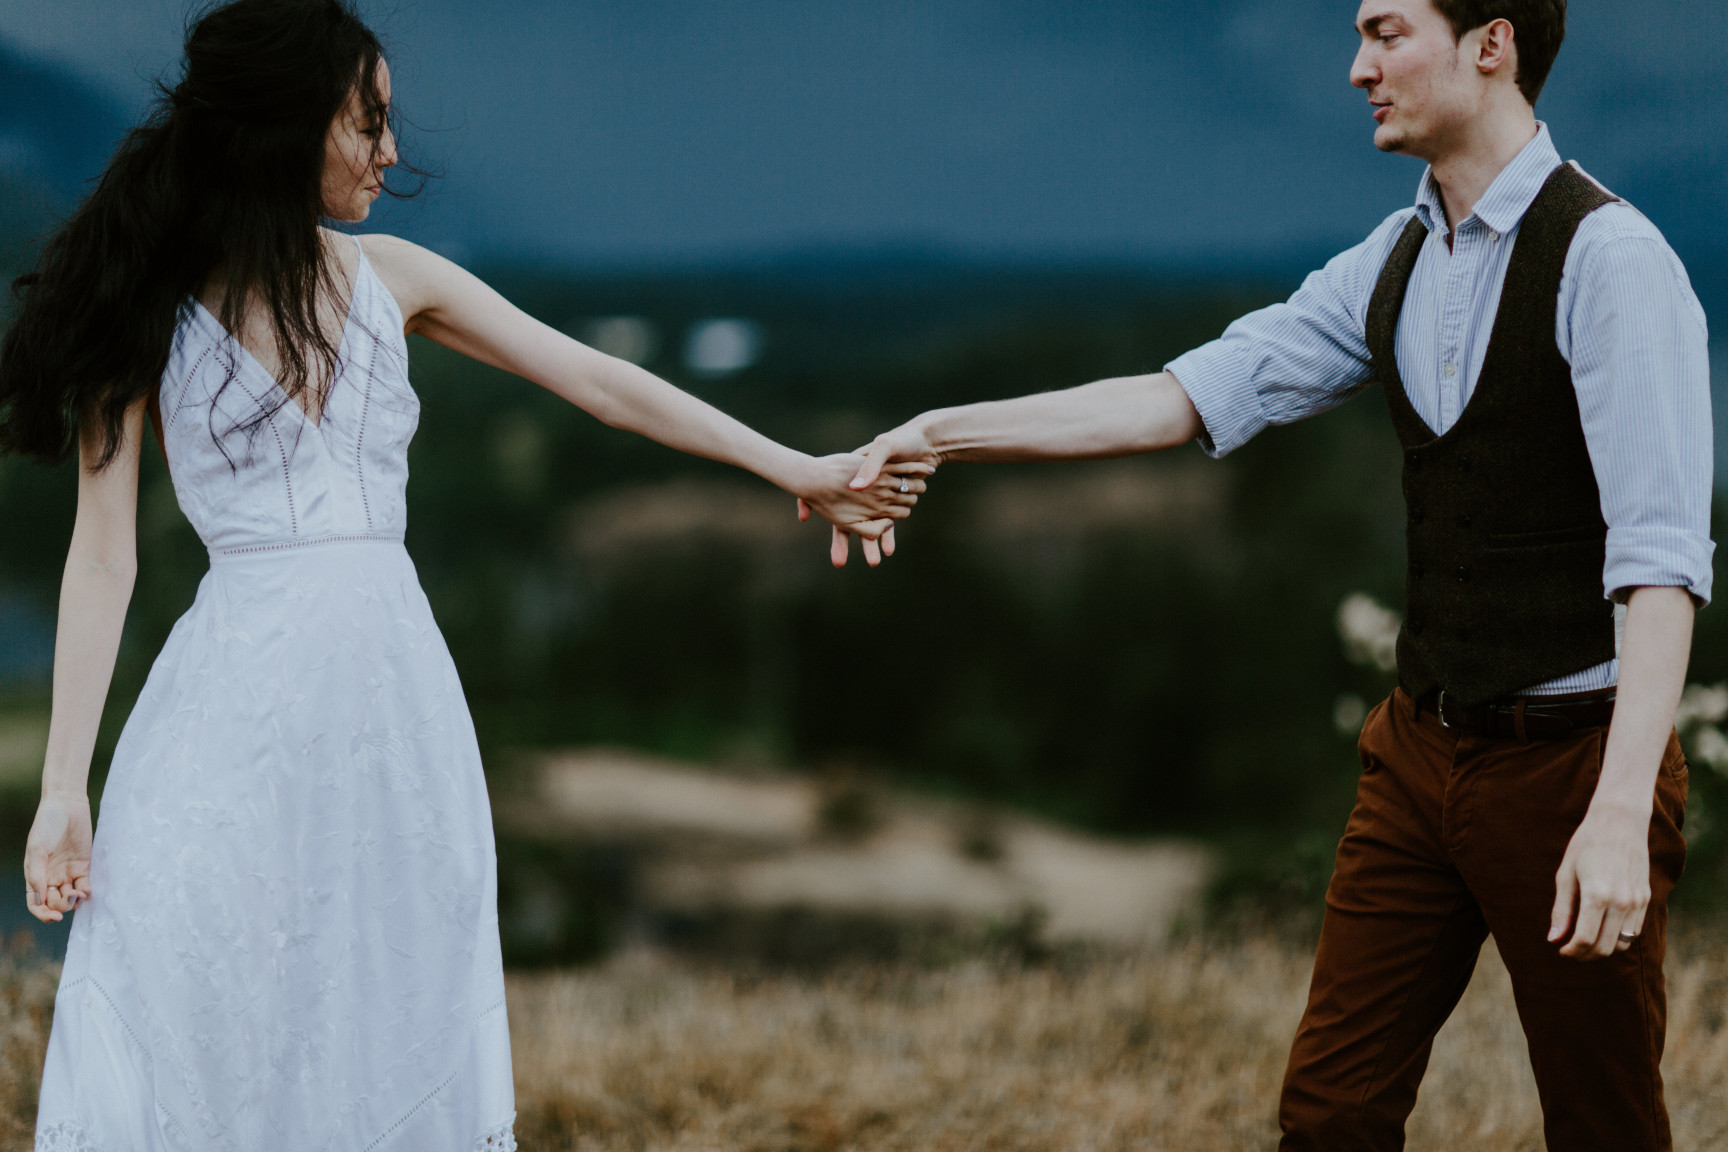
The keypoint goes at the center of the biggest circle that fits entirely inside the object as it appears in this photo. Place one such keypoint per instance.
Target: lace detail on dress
(501, 1139)
(68, 1136)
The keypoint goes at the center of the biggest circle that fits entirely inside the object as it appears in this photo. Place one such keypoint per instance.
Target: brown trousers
(1452, 838)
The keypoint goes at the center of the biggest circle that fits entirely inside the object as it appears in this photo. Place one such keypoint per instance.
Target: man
(1544, 359)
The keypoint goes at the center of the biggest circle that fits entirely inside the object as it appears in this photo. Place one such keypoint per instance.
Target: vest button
(1415, 627)
(1415, 515)
(1413, 462)
(1464, 635)
(1416, 571)
(1463, 519)
(1463, 575)
(1463, 463)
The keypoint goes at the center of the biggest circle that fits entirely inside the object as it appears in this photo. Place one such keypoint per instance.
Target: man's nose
(1363, 72)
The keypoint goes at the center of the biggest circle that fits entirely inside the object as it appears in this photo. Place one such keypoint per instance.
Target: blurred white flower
(1710, 747)
(1701, 704)
(1348, 713)
(1369, 631)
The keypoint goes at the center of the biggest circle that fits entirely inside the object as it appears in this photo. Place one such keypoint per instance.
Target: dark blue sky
(674, 131)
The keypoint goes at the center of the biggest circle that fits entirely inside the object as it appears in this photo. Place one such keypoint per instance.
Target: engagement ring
(905, 485)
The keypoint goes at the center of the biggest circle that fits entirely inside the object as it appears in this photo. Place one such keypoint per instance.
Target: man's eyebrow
(1372, 24)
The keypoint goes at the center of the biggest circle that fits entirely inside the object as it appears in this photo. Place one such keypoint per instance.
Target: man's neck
(1463, 173)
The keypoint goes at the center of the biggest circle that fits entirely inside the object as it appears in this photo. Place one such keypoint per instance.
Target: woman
(287, 933)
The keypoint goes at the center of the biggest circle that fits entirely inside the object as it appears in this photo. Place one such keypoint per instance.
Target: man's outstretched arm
(1274, 366)
(1126, 416)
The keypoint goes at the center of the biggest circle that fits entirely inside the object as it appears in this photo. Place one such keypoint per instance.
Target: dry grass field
(1182, 1050)
(1176, 1050)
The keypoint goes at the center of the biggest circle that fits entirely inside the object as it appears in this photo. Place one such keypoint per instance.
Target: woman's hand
(57, 856)
(867, 511)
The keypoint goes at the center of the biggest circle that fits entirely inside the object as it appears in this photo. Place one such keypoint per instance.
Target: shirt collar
(1508, 198)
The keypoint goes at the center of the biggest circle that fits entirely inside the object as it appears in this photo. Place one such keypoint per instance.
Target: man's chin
(1389, 139)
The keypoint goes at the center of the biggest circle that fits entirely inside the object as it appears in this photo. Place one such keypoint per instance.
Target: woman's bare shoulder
(384, 250)
(414, 275)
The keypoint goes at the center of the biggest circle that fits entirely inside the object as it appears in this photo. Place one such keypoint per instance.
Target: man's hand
(1605, 873)
(1605, 876)
(865, 510)
(902, 460)
(907, 444)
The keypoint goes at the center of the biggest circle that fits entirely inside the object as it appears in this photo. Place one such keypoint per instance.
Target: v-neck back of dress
(253, 470)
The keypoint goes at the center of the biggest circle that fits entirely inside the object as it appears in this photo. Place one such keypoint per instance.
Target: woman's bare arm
(94, 592)
(442, 302)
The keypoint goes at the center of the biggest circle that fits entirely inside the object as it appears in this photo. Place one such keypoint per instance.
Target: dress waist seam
(312, 542)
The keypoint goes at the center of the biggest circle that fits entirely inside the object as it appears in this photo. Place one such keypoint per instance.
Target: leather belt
(1523, 717)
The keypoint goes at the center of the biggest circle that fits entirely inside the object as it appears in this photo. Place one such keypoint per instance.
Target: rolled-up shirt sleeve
(1637, 342)
(1291, 360)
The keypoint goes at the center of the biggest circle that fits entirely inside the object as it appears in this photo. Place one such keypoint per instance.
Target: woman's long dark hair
(223, 178)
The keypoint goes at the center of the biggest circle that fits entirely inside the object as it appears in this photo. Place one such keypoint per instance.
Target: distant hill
(56, 129)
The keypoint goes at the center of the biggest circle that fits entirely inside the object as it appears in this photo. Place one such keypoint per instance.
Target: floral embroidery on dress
(68, 1136)
(501, 1139)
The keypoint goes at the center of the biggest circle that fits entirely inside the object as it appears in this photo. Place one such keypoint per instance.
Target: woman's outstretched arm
(94, 593)
(442, 302)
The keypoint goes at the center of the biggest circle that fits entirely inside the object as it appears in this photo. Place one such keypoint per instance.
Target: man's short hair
(1538, 27)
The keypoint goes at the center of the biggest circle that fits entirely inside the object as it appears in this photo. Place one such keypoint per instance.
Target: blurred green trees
(1135, 646)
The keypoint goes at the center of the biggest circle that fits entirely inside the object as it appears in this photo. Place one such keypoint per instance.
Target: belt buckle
(1440, 710)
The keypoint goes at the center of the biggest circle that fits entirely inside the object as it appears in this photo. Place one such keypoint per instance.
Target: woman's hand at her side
(867, 512)
(57, 856)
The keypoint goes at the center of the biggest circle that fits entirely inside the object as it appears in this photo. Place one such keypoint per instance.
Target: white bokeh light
(721, 347)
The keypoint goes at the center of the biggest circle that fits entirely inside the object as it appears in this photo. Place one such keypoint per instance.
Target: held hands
(1605, 874)
(57, 857)
(898, 461)
(867, 509)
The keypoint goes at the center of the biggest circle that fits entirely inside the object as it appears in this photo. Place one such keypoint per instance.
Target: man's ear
(1497, 48)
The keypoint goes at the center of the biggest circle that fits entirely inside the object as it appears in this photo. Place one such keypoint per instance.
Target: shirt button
(1493, 235)
(1451, 369)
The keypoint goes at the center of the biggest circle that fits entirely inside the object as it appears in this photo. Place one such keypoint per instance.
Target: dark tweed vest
(1505, 533)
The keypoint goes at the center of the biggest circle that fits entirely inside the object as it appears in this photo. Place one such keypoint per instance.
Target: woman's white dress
(292, 945)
